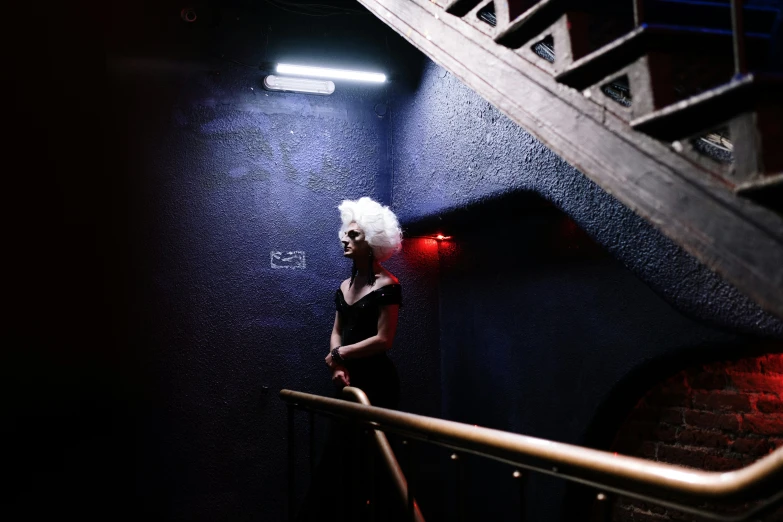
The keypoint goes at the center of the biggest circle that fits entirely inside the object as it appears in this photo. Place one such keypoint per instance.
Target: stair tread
(710, 108)
(689, 201)
(530, 23)
(597, 65)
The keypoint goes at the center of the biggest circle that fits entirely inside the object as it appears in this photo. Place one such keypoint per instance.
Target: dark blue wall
(228, 175)
(223, 174)
(536, 337)
(551, 292)
(152, 178)
(154, 333)
(452, 149)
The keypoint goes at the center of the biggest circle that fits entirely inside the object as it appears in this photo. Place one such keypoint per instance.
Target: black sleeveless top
(375, 375)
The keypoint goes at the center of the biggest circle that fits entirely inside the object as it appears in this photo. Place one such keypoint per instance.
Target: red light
(440, 236)
(426, 245)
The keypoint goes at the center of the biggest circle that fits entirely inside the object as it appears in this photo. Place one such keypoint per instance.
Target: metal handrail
(357, 395)
(664, 484)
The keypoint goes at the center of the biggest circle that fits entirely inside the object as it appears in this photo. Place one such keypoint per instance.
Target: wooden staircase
(657, 101)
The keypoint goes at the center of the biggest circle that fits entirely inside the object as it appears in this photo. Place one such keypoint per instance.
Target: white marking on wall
(288, 259)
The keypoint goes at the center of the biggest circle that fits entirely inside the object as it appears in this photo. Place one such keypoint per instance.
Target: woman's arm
(339, 373)
(380, 342)
(337, 332)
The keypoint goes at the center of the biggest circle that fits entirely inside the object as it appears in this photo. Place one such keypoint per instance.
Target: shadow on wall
(539, 325)
(452, 149)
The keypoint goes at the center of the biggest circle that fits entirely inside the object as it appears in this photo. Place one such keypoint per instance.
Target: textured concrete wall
(535, 338)
(229, 174)
(150, 333)
(164, 177)
(453, 149)
(537, 335)
(223, 173)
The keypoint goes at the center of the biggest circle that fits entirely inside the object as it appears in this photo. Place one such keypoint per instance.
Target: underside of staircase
(655, 101)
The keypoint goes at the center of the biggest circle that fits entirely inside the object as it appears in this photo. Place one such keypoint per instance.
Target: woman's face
(355, 245)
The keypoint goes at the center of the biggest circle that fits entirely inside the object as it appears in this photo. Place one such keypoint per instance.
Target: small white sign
(290, 259)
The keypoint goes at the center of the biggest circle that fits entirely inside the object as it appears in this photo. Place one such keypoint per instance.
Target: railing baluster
(460, 487)
(520, 477)
(371, 496)
(312, 442)
(358, 473)
(605, 506)
(638, 12)
(352, 473)
(291, 464)
(738, 34)
(411, 475)
(407, 469)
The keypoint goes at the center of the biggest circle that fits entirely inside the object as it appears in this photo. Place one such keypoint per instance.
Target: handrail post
(355, 452)
(738, 36)
(412, 465)
(348, 476)
(459, 487)
(521, 477)
(386, 454)
(291, 465)
(371, 494)
(408, 458)
(638, 12)
(605, 506)
(312, 442)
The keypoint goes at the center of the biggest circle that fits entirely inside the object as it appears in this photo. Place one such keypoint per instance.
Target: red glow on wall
(422, 245)
(715, 416)
(430, 245)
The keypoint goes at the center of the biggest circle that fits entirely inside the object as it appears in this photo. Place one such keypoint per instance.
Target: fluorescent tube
(306, 85)
(337, 74)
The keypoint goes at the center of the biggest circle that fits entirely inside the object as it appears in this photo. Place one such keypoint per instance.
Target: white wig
(379, 224)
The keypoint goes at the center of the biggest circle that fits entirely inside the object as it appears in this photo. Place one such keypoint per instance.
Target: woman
(367, 303)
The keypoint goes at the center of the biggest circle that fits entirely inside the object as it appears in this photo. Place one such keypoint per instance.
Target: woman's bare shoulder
(345, 285)
(387, 278)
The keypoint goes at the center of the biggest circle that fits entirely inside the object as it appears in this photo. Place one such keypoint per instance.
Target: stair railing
(381, 443)
(389, 459)
(611, 474)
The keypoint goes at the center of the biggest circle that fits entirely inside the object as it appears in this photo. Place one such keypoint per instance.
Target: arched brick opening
(715, 416)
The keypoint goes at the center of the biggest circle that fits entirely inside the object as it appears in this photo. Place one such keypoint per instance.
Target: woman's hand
(329, 362)
(340, 376)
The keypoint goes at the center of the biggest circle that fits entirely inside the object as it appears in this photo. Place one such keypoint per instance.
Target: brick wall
(716, 417)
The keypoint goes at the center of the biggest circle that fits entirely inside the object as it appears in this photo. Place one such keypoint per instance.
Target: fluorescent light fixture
(306, 85)
(337, 74)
